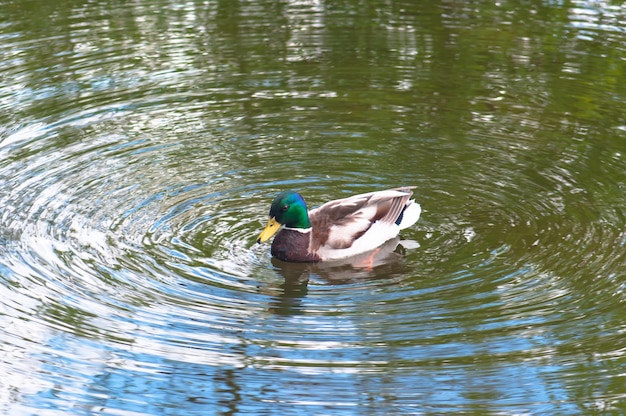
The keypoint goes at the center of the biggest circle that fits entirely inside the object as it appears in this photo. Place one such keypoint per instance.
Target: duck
(337, 229)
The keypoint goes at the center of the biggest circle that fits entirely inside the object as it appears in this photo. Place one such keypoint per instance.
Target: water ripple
(137, 167)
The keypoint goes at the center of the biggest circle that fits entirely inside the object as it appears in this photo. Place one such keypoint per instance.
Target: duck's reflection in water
(386, 261)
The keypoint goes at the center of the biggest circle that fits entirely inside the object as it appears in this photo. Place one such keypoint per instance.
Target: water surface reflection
(140, 144)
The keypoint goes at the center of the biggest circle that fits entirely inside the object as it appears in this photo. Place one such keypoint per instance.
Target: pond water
(142, 142)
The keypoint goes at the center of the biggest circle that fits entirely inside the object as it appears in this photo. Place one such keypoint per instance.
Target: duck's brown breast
(293, 246)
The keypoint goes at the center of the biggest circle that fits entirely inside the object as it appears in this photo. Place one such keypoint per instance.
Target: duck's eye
(285, 208)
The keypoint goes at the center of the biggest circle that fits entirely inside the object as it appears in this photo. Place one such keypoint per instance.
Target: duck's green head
(288, 209)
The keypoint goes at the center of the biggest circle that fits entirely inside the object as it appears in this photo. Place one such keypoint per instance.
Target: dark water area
(141, 144)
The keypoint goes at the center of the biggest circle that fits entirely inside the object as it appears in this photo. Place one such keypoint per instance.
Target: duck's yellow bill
(270, 229)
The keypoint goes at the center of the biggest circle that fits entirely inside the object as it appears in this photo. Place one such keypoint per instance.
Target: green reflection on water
(508, 118)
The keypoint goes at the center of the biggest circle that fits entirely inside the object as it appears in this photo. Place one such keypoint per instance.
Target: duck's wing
(338, 224)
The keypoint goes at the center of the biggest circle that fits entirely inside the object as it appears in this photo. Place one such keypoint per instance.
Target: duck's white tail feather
(411, 214)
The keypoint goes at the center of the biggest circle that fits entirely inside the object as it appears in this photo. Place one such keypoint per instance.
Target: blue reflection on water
(82, 376)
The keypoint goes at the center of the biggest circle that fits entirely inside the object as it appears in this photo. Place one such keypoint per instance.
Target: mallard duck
(340, 228)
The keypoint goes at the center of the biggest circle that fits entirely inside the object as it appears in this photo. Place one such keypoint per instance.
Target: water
(141, 145)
